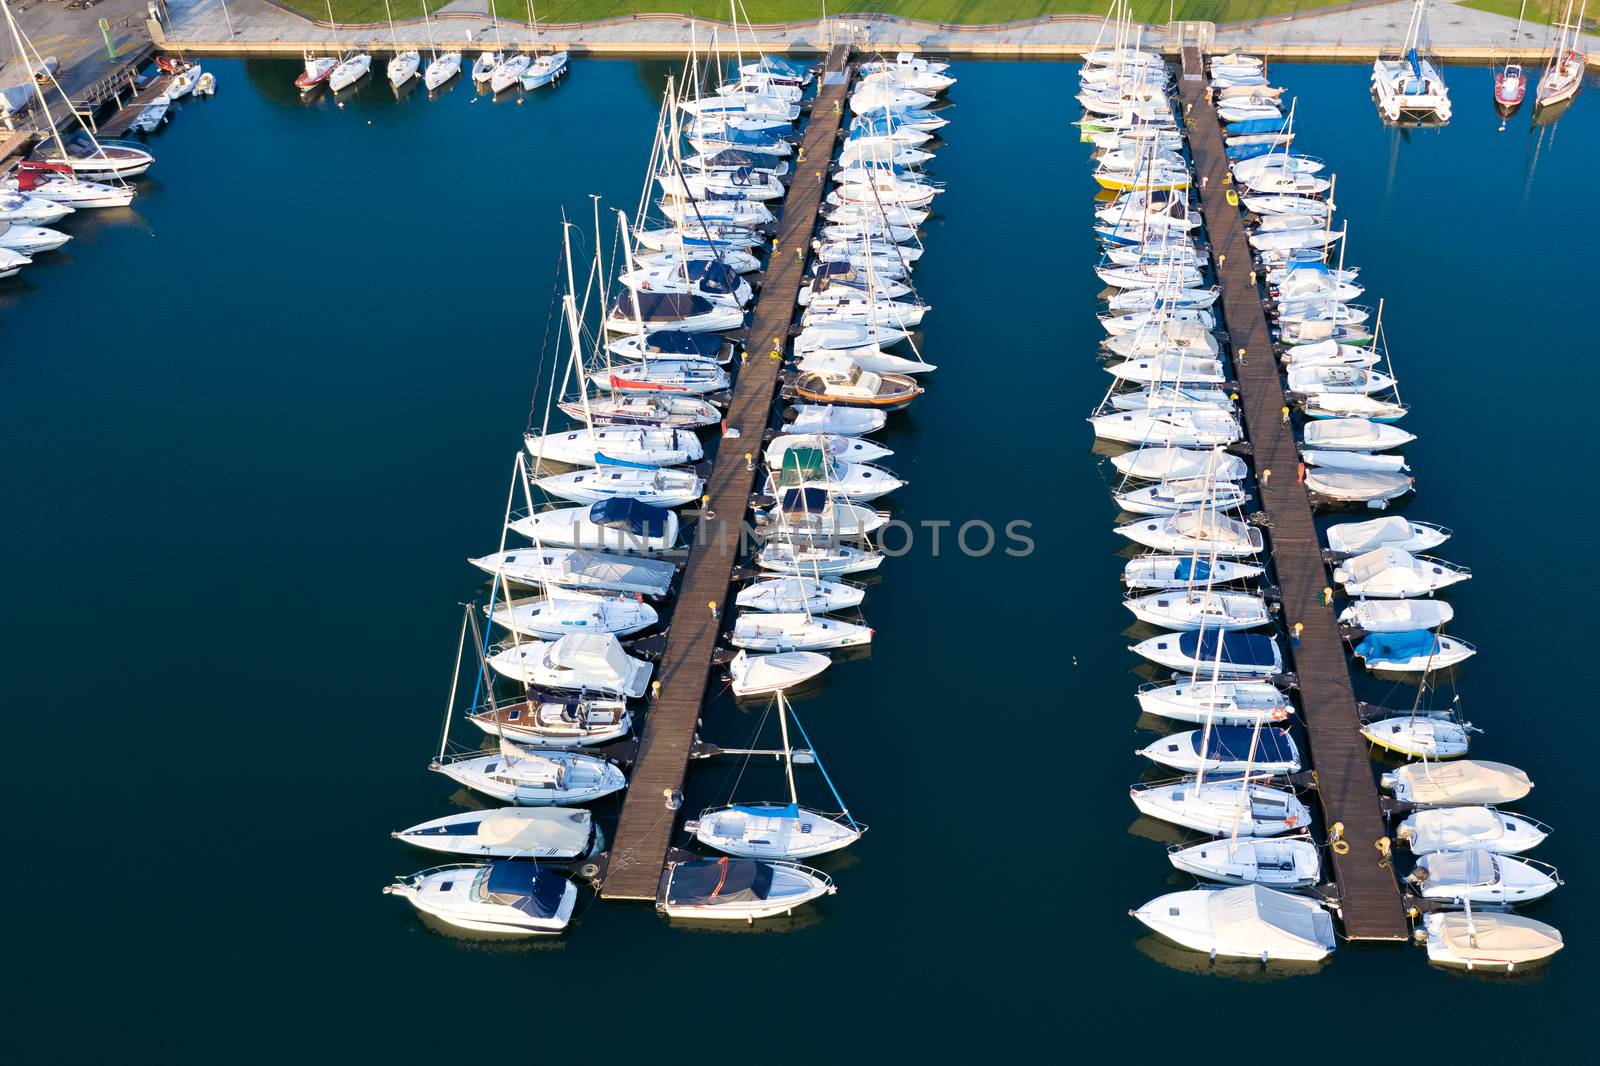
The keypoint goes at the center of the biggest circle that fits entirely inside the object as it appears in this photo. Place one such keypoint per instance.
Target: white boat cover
(632, 575)
(1252, 921)
(1475, 868)
(1453, 828)
(1356, 486)
(1365, 536)
(559, 829)
(769, 673)
(1397, 616)
(1461, 782)
(598, 654)
(530, 767)
(1495, 937)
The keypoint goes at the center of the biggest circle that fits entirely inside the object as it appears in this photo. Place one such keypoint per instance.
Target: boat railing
(420, 874)
(1443, 564)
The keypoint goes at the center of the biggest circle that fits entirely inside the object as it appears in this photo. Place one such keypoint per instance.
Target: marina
(290, 420)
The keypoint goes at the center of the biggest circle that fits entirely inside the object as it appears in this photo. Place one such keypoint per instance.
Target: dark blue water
(253, 428)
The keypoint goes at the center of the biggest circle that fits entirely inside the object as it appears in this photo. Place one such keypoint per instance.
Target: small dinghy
(664, 488)
(557, 719)
(571, 568)
(1488, 941)
(151, 116)
(1206, 532)
(752, 675)
(1457, 877)
(777, 631)
(1227, 703)
(558, 833)
(807, 559)
(1284, 864)
(1415, 651)
(617, 525)
(1250, 922)
(1217, 808)
(1354, 434)
(1375, 489)
(1470, 829)
(583, 662)
(1184, 572)
(1464, 782)
(564, 611)
(1389, 572)
(531, 777)
(1357, 538)
(804, 594)
(1172, 497)
(1225, 655)
(1396, 616)
(1228, 750)
(1176, 464)
(1200, 609)
(515, 898)
(1418, 736)
(741, 890)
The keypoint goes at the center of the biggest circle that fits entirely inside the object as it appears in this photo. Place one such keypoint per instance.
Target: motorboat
(1416, 651)
(1463, 829)
(535, 777)
(1488, 941)
(743, 890)
(574, 568)
(643, 312)
(30, 240)
(1289, 863)
(1463, 782)
(556, 719)
(1320, 378)
(599, 445)
(754, 675)
(1457, 877)
(87, 157)
(1249, 922)
(831, 418)
(805, 558)
(1357, 538)
(1353, 434)
(509, 897)
(1185, 571)
(1200, 609)
(1179, 464)
(484, 66)
(857, 482)
(1206, 532)
(842, 336)
(1375, 489)
(587, 662)
(761, 631)
(11, 262)
(1358, 462)
(351, 69)
(55, 181)
(834, 446)
(1226, 807)
(660, 486)
(1223, 703)
(315, 72)
(799, 594)
(551, 833)
(1396, 616)
(716, 283)
(1228, 749)
(151, 116)
(20, 207)
(1418, 736)
(614, 525)
(1351, 405)
(840, 380)
(1389, 572)
(1223, 655)
(564, 611)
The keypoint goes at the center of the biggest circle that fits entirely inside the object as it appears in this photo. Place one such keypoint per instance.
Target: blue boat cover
(714, 276)
(772, 64)
(678, 342)
(766, 137)
(1249, 151)
(529, 887)
(635, 516)
(769, 810)
(805, 501)
(1257, 125)
(1238, 649)
(658, 306)
(719, 881)
(1397, 647)
(1231, 743)
(740, 157)
(1193, 569)
(602, 459)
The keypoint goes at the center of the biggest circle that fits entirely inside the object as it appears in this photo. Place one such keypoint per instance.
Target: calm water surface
(253, 428)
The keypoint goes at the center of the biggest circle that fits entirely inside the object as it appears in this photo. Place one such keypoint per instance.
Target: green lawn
(955, 11)
(1540, 12)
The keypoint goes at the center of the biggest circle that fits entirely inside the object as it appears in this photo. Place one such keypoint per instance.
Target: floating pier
(632, 868)
(1365, 892)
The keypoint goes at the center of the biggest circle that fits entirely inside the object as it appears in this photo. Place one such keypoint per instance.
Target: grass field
(954, 11)
(1539, 13)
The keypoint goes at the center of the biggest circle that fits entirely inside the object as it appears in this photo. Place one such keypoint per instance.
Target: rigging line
(544, 345)
(744, 762)
(818, 760)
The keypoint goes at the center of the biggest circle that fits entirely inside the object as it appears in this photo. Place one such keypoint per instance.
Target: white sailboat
(403, 64)
(1408, 87)
(442, 66)
(1563, 73)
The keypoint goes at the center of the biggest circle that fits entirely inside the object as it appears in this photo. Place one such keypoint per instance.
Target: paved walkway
(74, 38)
(1353, 31)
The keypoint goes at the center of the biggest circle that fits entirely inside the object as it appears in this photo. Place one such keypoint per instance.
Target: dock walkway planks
(639, 851)
(1368, 897)
(117, 124)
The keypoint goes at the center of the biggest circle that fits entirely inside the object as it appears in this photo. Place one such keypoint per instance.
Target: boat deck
(632, 869)
(1367, 895)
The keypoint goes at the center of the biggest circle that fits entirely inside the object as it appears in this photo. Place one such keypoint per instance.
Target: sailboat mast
(38, 89)
(788, 752)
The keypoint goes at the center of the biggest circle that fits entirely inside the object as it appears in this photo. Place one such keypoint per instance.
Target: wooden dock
(1367, 895)
(633, 866)
(117, 124)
